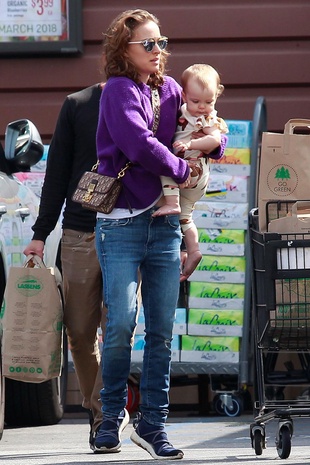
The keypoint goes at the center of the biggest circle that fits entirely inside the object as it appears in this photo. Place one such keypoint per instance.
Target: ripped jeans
(153, 246)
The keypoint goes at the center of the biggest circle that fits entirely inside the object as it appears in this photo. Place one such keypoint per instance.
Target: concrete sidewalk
(204, 440)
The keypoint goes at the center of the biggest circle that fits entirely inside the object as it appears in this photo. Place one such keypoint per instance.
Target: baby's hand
(180, 146)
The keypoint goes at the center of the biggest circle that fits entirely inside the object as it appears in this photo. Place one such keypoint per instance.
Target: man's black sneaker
(92, 434)
(92, 437)
(107, 439)
(154, 440)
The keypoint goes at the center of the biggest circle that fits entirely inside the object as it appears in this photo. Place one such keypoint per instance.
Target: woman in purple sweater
(130, 238)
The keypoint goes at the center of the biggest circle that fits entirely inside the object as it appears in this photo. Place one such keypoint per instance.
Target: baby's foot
(167, 210)
(190, 264)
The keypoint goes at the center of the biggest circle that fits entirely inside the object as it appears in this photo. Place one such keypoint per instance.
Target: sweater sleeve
(218, 153)
(59, 163)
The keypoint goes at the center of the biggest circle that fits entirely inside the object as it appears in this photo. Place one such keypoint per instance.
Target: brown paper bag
(297, 221)
(32, 323)
(284, 167)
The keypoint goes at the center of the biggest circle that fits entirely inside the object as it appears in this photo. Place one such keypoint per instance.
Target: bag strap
(123, 170)
(156, 108)
(120, 174)
(95, 166)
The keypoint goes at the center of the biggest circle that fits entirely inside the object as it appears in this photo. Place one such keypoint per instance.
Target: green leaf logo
(282, 181)
(282, 173)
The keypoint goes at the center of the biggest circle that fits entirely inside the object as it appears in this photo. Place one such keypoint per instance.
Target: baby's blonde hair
(204, 74)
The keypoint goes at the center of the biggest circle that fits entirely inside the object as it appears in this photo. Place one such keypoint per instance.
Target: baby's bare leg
(193, 252)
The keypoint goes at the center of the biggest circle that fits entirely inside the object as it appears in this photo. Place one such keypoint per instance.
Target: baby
(198, 134)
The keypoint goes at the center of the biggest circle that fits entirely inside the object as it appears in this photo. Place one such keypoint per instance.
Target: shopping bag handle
(33, 260)
(300, 204)
(295, 123)
(289, 131)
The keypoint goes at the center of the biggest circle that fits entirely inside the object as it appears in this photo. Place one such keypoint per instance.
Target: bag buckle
(90, 191)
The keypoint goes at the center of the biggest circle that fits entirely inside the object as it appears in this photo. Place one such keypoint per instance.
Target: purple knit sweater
(125, 133)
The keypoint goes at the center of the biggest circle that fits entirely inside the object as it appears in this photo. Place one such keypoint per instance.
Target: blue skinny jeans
(124, 246)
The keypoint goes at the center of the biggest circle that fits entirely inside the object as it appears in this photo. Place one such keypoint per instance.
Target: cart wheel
(283, 443)
(235, 409)
(218, 405)
(258, 442)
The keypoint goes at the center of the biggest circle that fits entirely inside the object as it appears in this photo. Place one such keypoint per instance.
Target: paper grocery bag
(284, 167)
(32, 323)
(296, 221)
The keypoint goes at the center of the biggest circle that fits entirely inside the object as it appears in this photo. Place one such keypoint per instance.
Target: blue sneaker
(154, 440)
(108, 437)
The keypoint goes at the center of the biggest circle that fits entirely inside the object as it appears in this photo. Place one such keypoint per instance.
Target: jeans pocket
(173, 221)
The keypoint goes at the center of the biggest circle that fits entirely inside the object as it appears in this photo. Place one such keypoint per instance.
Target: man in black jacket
(73, 151)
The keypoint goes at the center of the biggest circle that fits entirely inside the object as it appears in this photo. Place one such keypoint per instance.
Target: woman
(130, 238)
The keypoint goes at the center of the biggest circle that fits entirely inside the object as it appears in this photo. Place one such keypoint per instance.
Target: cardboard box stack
(216, 288)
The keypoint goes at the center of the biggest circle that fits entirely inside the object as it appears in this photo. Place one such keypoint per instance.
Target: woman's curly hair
(115, 44)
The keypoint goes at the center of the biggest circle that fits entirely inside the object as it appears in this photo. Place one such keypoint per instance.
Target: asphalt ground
(204, 440)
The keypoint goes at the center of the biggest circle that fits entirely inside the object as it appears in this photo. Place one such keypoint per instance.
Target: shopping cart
(280, 328)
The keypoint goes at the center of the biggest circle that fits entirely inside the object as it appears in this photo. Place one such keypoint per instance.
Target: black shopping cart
(280, 329)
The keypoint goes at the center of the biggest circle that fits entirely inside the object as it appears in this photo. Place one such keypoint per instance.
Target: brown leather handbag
(99, 192)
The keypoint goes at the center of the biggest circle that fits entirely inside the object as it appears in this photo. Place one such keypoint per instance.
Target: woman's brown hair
(115, 44)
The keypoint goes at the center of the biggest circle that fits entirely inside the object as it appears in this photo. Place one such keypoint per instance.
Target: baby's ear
(184, 97)
(220, 89)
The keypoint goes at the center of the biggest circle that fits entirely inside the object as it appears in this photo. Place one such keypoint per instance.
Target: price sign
(32, 19)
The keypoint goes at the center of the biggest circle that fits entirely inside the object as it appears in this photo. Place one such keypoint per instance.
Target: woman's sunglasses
(149, 44)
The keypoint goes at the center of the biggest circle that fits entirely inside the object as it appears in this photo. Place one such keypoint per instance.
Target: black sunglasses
(149, 44)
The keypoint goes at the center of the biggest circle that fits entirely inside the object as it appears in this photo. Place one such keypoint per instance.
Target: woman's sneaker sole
(148, 447)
